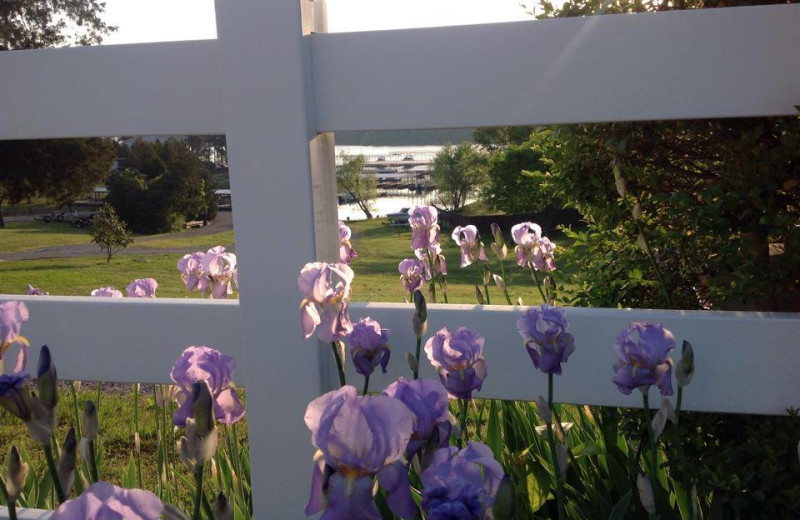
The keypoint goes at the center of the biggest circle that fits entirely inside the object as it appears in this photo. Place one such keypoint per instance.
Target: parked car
(400, 218)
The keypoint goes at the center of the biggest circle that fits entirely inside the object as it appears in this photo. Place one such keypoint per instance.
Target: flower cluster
(643, 350)
(533, 249)
(425, 238)
(369, 346)
(213, 273)
(467, 238)
(458, 358)
(413, 274)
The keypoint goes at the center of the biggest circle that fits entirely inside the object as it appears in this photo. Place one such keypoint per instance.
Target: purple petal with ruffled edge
(104, 501)
(350, 498)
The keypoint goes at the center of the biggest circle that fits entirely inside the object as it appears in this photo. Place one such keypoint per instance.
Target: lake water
(397, 201)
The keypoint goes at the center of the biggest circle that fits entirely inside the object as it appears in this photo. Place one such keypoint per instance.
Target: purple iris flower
(413, 274)
(15, 396)
(326, 286)
(192, 273)
(424, 227)
(105, 501)
(12, 315)
(643, 350)
(369, 346)
(429, 402)
(346, 251)
(461, 484)
(467, 238)
(142, 288)
(458, 358)
(219, 266)
(433, 254)
(533, 249)
(544, 330)
(358, 438)
(216, 369)
(35, 291)
(107, 292)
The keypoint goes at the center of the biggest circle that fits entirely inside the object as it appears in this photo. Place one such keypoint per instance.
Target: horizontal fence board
(745, 362)
(126, 339)
(26, 514)
(142, 89)
(709, 63)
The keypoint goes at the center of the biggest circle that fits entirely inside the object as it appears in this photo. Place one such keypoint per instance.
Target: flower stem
(136, 446)
(461, 442)
(553, 452)
(75, 411)
(237, 463)
(93, 475)
(538, 284)
(653, 463)
(419, 348)
(51, 466)
(339, 365)
(198, 492)
(505, 282)
(366, 385)
(653, 262)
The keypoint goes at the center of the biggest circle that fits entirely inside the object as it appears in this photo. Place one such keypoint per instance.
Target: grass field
(380, 248)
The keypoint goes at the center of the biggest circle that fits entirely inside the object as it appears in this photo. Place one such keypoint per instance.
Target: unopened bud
(137, 442)
(17, 474)
(203, 408)
(66, 462)
(76, 385)
(646, 493)
(222, 508)
(505, 500)
(420, 306)
(640, 240)
(90, 422)
(544, 409)
(420, 327)
(479, 296)
(42, 422)
(444, 285)
(47, 379)
(619, 180)
(412, 362)
(684, 371)
(658, 423)
(173, 513)
(637, 211)
(183, 449)
(666, 404)
(498, 281)
(497, 233)
(520, 302)
(561, 453)
(501, 251)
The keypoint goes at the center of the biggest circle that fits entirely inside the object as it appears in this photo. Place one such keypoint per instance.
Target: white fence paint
(272, 86)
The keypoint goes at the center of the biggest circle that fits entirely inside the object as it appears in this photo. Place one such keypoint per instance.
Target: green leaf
(129, 477)
(621, 507)
(494, 437)
(537, 481)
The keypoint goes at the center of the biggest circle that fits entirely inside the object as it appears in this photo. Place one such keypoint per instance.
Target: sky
(170, 20)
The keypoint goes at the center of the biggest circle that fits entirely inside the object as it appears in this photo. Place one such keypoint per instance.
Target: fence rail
(273, 81)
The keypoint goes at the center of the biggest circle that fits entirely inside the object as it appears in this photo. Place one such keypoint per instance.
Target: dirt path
(223, 222)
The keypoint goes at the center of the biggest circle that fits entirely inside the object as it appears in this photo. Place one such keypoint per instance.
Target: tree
(165, 185)
(351, 179)
(458, 172)
(33, 24)
(59, 169)
(62, 170)
(510, 189)
(109, 231)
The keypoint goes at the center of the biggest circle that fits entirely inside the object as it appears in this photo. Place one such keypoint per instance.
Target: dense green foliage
(458, 172)
(62, 170)
(509, 189)
(32, 24)
(164, 185)
(109, 232)
(403, 137)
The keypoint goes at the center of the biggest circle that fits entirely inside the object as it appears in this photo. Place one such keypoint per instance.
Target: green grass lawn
(380, 248)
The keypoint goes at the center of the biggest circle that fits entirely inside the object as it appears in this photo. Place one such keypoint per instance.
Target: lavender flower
(35, 291)
(466, 237)
(369, 346)
(192, 273)
(461, 484)
(220, 267)
(15, 396)
(326, 286)
(429, 402)
(533, 249)
(424, 227)
(437, 259)
(104, 501)
(458, 358)
(12, 315)
(142, 288)
(346, 251)
(357, 438)
(216, 369)
(413, 274)
(544, 330)
(643, 350)
(107, 292)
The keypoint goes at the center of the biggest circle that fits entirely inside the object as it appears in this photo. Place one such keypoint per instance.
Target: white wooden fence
(276, 85)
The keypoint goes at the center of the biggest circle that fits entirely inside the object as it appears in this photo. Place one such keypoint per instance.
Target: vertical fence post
(277, 165)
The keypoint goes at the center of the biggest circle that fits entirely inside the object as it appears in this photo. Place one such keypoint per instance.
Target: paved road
(223, 222)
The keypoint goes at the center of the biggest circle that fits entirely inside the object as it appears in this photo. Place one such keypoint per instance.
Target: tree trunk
(365, 208)
(2, 222)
